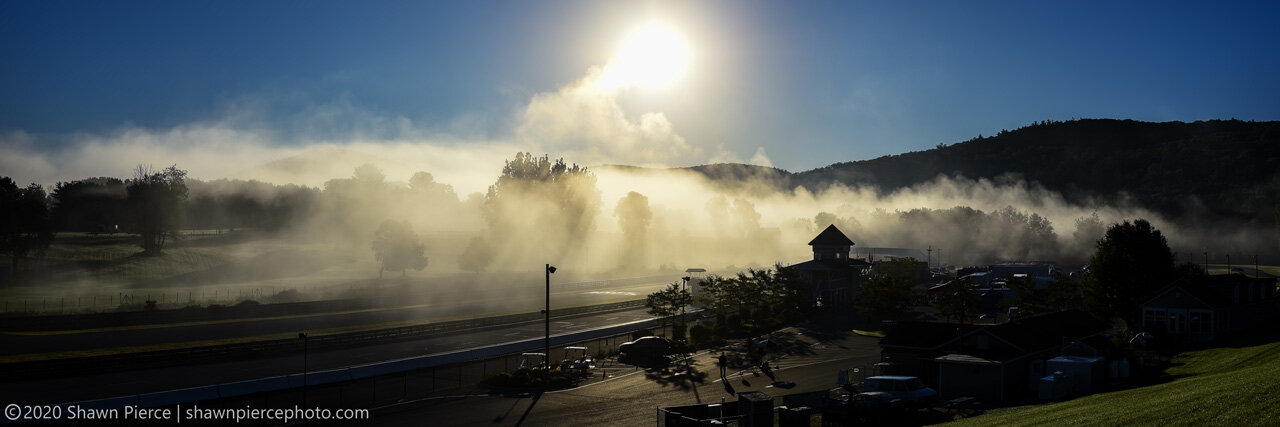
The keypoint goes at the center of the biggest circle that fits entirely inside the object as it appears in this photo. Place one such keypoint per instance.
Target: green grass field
(83, 272)
(1236, 384)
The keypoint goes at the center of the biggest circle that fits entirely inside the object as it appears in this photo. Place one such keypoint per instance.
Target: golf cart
(581, 362)
(533, 361)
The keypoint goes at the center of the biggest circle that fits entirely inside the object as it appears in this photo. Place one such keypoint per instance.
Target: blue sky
(811, 83)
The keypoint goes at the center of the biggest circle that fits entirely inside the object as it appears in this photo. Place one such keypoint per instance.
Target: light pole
(546, 343)
(303, 337)
(684, 301)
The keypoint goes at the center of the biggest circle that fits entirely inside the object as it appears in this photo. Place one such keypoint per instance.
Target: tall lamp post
(303, 336)
(546, 343)
(684, 301)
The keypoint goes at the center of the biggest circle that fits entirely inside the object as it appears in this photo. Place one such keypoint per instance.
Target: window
(1154, 319)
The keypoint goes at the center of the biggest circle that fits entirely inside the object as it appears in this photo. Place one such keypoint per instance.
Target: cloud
(583, 121)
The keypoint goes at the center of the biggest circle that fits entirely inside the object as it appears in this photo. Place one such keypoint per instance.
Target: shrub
(678, 332)
(700, 334)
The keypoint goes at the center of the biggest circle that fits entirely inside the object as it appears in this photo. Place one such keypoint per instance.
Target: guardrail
(616, 282)
(151, 359)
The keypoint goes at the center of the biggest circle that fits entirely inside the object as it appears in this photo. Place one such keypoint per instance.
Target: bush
(678, 332)
(700, 334)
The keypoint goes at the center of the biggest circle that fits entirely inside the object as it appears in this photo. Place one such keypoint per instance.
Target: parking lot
(807, 360)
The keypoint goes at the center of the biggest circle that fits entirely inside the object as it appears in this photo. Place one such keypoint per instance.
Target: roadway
(122, 383)
(446, 307)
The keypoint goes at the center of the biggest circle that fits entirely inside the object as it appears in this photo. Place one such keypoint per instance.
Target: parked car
(646, 346)
(871, 399)
(907, 389)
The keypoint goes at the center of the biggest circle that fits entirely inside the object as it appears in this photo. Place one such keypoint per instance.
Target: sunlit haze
(653, 56)
(574, 212)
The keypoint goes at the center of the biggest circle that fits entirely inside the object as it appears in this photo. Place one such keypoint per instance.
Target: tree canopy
(1132, 262)
(398, 248)
(668, 301)
(536, 208)
(26, 226)
(956, 300)
(891, 291)
(634, 217)
(155, 204)
(91, 204)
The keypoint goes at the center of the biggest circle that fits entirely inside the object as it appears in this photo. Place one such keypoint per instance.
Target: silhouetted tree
(798, 296)
(1062, 294)
(1026, 296)
(956, 300)
(25, 224)
(669, 301)
(92, 204)
(634, 216)
(539, 208)
(477, 256)
(228, 204)
(1132, 262)
(346, 199)
(155, 204)
(398, 248)
(891, 290)
(435, 202)
(1088, 230)
(725, 295)
(755, 295)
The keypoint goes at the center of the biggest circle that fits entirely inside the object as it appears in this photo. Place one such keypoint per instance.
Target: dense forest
(1182, 170)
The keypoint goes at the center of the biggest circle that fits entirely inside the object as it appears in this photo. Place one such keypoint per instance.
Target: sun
(653, 56)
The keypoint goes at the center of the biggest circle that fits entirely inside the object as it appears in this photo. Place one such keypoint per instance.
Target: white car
(907, 389)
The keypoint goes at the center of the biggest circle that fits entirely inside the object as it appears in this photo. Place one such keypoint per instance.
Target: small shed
(1088, 374)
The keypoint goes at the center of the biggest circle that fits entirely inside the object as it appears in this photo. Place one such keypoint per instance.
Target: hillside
(1225, 168)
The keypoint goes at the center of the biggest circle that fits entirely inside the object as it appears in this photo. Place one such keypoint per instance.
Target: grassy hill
(1236, 384)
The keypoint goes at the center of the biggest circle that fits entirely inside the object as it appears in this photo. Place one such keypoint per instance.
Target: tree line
(537, 207)
(147, 205)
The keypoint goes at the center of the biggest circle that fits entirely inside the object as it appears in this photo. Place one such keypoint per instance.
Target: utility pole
(546, 341)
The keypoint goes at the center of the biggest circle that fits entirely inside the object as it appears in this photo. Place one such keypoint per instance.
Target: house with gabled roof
(831, 274)
(1204, 309)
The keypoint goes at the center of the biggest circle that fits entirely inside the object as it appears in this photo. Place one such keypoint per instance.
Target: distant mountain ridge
(1224, 167)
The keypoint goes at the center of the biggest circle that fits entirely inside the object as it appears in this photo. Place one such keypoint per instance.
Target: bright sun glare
(653, 56)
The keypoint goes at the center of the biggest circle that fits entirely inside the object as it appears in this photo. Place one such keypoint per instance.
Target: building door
(1177, 323)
